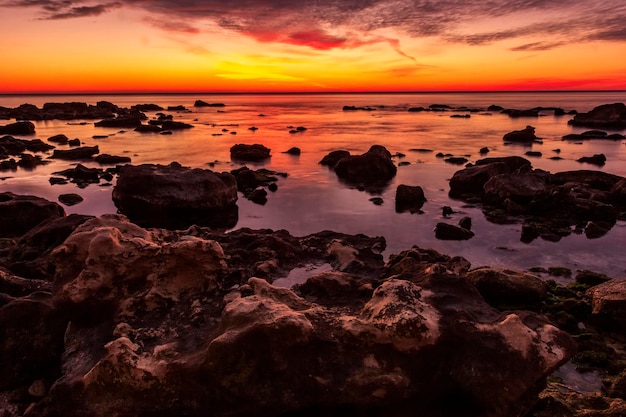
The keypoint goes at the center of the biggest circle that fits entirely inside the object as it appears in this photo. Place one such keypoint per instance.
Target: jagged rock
(373, 167)
(175, 196)
(252, 153)
(20, 213)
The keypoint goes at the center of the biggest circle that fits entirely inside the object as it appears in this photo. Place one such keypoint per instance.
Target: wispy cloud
(329, 24)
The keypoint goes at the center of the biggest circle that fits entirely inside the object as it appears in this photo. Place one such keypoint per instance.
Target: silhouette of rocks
(333, 157)
(373, 167)
(593, 134)
(409, 198)
(606, 116)
(20, 213)
(106, 159)
(252, 153)
(174, 196)
(526, 135)
(200, 103)
(70, 199)
(84, 152)
(120, 122)
(293, 151)
(147, 107)
(445, 231)
(597, 159)
(60, 139)
(355, 108)
(174, 125)
(149, 128)
(18, 128)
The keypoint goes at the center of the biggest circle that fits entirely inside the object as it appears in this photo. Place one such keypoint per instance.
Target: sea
(312, 199)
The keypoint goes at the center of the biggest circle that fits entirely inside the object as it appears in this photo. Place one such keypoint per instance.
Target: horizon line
(121, 93)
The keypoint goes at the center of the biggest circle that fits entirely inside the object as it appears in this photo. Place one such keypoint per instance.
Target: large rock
(83, 152)
(174, 196)
(373, 167)
(409, 198)
(20, 213)
(526, 135)
(158, 328)
(519, 188)
(606, 116)
(18, 128)
(506, 289)
(252, 153)
(608, 303)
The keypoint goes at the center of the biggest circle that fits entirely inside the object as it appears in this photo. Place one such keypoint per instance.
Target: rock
(174, 125)
(608, 303)
(409, 198)
(495, 107)
(445, 231)
(484, 151)
(471, 180)
(200, 103)
(354, 108)
(373, 167)
(81, 174)
(258, 196)
(174, 196)
(83, 152)
(515, 113)
(509, 290)
(456, 160)
(106, 159)
(74, 142)
(618, 192)
(333, 157)
(147, 107)
(28, 161)
(70, 199)
(120, 122)
(591, 278)
(447, 211)
(595, 230)
(526, 135)
(559, 400)
(518, 188)
(20, 213)
(60, 139)
(377, 201)
(533, 153)
(37, 145)
(252, 153)
(293, 151)
(606, 116)
(466, 223)
(148, 128)
(597, 159)
(18, 128)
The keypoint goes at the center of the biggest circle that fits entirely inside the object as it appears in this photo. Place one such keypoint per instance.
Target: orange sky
(327, 45)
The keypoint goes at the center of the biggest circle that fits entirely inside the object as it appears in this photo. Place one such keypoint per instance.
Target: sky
(65, 46)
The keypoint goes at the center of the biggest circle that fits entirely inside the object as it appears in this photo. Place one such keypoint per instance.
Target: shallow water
(312, 199)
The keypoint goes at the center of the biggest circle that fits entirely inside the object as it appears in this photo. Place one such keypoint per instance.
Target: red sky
(327, 45)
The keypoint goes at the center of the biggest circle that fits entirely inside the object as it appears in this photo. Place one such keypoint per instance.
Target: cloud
(537, 46)
(329, 24)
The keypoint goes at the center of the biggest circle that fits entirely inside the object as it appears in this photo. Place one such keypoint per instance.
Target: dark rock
(179, 107)
(273, 187)
(533, 153)
(28, 161)
(200, 103)
(484, 150)
(519, 188)
(591, 278)
(252, 153)
(149, 128)
(37, 145)
(127, 122)
(60, 139)
(447, 211)
(456, 160)
(106, 159)
(526, 135)
(70, 199)
(409, 198)
(258, 196)
(20, 213)
(293, 151)
(84, 152)
(512, 163)
(445, 231)
(608, 304)
(147, 107)
(471, 181)
(416, 109)
(460, 116)
(373, 167)
(466, 223)
(495, 107)
(174, 125)
(333, 157)
(606, 116)
(515, 113)
(18, 128)
(597, 159)
(421, 150)
(377, 201)
(508, 290)
(174, 196)
(618, 192)
(354, 108)
(595, 230)
(12, 146)
(74, 142)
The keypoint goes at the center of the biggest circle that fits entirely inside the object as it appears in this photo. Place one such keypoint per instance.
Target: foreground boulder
(174, 196)
(20, 213)
(606, 116)
(371, 168)
(159, 323)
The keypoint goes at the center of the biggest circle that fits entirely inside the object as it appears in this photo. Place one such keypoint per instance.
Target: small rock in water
(466, 223)
(447, 211)
(70, 199)
(377, 201)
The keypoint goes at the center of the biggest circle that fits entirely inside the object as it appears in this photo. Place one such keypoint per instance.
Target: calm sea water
(312, 199)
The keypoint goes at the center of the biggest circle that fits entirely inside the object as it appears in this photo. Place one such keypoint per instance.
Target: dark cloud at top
(327, 24)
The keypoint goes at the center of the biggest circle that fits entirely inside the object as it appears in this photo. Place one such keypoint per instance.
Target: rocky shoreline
(141, 313)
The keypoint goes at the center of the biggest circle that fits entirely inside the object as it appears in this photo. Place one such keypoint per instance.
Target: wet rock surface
(179, 323)
(176, 197)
